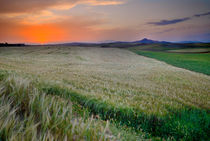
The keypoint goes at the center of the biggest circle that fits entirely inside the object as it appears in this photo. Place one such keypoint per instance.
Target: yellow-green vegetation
(191, 50)
(194, 57)
(198, 62)
(27, 113)
(132, 90)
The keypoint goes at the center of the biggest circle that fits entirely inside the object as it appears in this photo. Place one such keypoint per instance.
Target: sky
(61, 21)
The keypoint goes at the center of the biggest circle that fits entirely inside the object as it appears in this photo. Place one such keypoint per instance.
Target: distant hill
(149, 41)
(108, 42)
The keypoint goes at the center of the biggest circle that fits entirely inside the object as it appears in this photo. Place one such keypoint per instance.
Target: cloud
(36, 21)
(23, 6)
(104, 2)
(44, 11)
(201, 15)
(179, 20)
(169, 22)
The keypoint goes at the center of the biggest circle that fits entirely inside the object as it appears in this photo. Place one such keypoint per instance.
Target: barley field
(146, 96)
(28, 114)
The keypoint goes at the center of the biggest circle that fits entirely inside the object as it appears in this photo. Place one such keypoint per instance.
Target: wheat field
(117, 77)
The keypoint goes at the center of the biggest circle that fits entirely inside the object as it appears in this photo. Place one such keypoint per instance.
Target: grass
(134, 92)
(186, 124)
(171, 46)
(28, 113)
(198, 62)
(44, 111)
(191, 50)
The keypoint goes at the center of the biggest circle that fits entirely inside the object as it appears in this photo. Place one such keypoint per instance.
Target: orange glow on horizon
(43, 33)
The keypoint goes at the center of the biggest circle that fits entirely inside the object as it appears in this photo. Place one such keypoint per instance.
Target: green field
(198, 62)
(191, 50)
(165, 47)
(78, 93)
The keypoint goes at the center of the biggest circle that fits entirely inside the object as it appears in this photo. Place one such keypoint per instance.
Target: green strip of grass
(197, 62)
(187, 123)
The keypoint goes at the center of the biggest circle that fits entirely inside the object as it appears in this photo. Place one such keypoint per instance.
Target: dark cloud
(175, 21)
(201, 15)
(168, 22)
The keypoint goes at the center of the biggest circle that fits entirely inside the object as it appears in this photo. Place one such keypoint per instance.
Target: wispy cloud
(168, 22)
(45, 11)
(25, 6)
(178, 20)
(104, 2)
(203, 14)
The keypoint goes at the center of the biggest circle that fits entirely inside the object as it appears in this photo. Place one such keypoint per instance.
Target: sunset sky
(58, 21)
